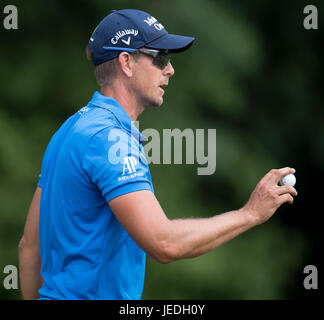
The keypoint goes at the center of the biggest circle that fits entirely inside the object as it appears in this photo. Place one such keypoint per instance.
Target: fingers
(286, 194)
(286, 198)
(274, 175)
(287, 189)
(268, 196)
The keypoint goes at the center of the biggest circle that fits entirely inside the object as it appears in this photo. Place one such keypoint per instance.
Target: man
(94, 215)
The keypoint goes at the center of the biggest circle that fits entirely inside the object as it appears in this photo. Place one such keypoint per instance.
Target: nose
(168, 70)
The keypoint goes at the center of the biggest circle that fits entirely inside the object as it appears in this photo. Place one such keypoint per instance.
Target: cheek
(148, 80)
(151, 84)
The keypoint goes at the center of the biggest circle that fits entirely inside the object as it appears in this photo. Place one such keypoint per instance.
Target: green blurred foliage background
(254, 74)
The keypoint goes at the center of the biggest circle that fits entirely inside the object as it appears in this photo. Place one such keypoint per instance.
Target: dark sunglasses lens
(162, 60)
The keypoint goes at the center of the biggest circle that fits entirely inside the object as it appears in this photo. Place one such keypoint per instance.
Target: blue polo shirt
(95, 156)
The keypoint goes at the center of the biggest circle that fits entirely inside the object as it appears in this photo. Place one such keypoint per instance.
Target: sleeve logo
(129, 168)
(129, 165)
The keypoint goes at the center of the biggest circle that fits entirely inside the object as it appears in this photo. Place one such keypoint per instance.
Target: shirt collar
(99, 100)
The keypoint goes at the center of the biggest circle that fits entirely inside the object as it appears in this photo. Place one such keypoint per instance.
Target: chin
(159, 104)
(153, 100)
(155, 103)
(160, 101)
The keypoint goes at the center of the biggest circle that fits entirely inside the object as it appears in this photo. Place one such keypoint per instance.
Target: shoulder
(96, 125)
(93, 120)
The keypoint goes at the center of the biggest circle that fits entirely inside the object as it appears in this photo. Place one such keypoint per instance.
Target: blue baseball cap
(132, 29)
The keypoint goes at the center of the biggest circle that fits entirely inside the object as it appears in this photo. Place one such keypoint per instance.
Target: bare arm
(169, 240)
(29, 254)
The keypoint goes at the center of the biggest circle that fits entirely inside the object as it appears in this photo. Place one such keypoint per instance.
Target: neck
(119, 92)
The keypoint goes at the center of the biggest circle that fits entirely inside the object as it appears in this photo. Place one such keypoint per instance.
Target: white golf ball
(289, 179)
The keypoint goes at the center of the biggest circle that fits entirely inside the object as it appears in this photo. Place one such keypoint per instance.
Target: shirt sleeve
(115, 162)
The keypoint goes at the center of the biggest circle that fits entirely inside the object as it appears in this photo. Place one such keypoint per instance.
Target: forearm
(168, 240)
(29, 271)
(193, 237)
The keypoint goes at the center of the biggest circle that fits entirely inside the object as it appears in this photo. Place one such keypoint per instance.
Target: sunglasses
(161, 58)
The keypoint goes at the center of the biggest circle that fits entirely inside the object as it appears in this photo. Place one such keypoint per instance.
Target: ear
(127, 64)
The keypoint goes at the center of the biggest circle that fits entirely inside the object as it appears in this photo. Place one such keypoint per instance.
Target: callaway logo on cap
(132, 29)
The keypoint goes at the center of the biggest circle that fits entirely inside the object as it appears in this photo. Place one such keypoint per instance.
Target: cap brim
(172, 42)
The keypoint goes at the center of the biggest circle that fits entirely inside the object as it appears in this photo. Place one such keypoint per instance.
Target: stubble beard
(146, 102)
